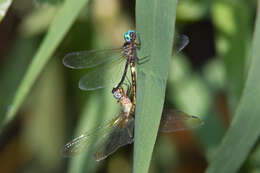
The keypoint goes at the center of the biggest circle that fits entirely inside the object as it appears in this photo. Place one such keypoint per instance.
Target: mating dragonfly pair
(112, 70)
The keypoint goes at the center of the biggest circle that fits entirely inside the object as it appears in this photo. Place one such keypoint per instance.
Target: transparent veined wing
(91, 58)
(180, 42)
(120, 136)
(106, 139)
(108, 75)
(82, 142)
(174, 120)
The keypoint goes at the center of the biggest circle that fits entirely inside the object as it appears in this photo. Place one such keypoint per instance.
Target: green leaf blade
(245, 129)
(59, 27)
(4, 6)
(156, 29)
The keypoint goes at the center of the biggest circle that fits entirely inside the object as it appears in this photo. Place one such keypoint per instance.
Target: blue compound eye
(128, 35)
(117, 95)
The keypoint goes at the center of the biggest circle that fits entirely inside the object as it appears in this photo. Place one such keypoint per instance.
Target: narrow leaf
(4, 5)
(59, 27)
(155, 26)
(245, 129)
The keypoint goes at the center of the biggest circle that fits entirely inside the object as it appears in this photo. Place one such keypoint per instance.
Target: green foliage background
(41, 107)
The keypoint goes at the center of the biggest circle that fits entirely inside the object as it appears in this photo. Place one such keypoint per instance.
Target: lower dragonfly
(120, 131)
(111, 136)
(112, 64)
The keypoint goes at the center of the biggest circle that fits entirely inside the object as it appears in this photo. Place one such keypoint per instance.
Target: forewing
(108, 75)
(92, 58)
(82, 142)
(118, 137)
(180, 42)
(174, 120)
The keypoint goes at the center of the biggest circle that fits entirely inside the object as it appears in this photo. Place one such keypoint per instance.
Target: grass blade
(244, 130)
(156, 28)
(4, 5)
(59, 27)
(14, 68)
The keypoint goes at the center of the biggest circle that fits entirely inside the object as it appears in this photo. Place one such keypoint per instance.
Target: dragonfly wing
(82, 142)
(118, 137)
(174, 120)
(180, 42)
(92, 58)
(108, 75)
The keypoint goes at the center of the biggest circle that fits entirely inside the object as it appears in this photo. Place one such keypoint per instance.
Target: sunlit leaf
(245, 129)
(4, 5)
(56, 33)
(156, 28)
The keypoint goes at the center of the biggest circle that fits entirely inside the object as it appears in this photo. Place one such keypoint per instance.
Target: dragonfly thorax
(124, 100)
(128, 49)
(126, 104)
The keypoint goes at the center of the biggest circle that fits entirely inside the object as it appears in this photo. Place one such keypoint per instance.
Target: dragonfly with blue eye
(112, 64)
(120, 131)
(108, 73)
(108, 137)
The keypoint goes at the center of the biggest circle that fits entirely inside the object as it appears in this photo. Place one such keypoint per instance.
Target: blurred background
(206, 79)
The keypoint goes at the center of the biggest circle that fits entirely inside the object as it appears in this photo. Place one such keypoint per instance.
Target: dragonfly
(110, 66)
(119, 131)
(171, 120)
(109, 137)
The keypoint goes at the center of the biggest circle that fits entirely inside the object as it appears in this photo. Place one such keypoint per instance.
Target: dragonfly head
(117, 93)
(129, 36)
